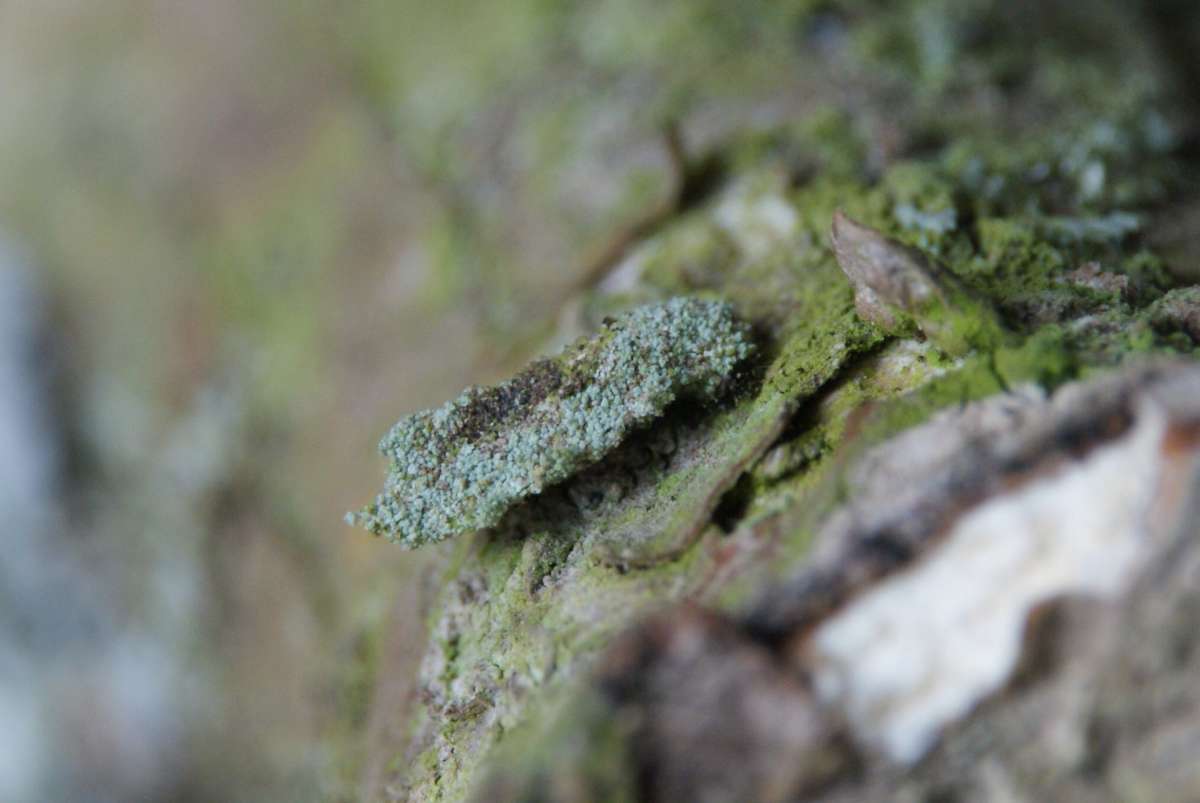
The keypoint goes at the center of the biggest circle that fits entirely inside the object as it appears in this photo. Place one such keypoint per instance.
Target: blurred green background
(240, 240)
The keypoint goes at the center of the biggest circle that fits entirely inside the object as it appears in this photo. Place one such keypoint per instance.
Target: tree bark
(938, 539)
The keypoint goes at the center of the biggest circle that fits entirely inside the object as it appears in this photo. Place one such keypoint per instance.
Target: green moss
(693, 255)
(578, 741)
(833, 138)
(1148, 274)
(1012, 258)
(1045, 358)
(923, 204)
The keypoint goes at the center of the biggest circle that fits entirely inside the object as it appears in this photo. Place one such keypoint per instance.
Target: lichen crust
(460, 467)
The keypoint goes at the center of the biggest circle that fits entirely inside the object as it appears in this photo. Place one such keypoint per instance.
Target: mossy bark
(1037, 157)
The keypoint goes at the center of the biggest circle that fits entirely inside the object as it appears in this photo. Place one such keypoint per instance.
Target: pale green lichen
(461, 467)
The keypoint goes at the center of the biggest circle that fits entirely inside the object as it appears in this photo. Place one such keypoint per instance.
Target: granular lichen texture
(462, 466)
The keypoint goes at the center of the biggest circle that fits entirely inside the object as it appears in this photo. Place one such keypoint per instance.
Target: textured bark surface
(939, 540)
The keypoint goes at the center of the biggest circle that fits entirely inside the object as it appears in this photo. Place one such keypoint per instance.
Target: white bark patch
(757, 224)
(922, 648)
(624, 277)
